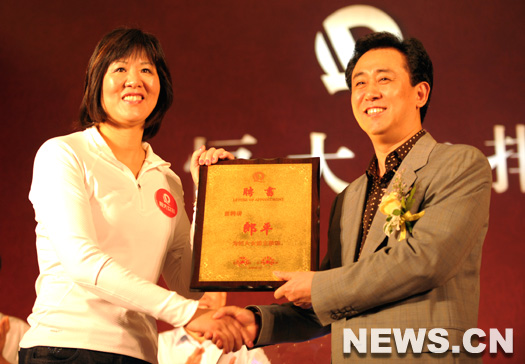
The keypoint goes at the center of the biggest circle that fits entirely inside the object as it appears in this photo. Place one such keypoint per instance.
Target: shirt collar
(180, 335)
(396, 156)
(151, 161)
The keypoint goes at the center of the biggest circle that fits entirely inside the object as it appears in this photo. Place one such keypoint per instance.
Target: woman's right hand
(227, 333)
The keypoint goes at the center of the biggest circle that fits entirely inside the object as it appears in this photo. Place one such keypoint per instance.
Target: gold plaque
(255, 217)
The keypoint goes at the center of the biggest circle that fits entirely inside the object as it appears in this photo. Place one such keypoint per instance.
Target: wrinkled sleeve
(178, 264)
(287, 323)
(63, 212)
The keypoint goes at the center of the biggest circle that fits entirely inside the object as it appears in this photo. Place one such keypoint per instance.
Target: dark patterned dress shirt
(377, 185)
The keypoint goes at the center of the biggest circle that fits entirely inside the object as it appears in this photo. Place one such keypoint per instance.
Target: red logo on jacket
(166, 202)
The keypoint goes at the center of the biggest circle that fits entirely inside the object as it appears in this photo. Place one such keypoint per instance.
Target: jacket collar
(98, 145)
(354, 200)
(416, 159)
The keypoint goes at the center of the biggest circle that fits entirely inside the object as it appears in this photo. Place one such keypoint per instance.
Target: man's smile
(374, 110)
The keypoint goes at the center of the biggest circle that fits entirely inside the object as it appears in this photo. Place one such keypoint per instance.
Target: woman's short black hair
(117, 44)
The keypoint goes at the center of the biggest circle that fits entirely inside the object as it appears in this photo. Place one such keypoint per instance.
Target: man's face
(385, 104)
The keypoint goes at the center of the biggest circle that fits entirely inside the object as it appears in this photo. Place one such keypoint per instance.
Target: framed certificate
(255, 217)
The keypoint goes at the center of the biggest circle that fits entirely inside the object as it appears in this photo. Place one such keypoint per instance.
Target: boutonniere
(396, 206)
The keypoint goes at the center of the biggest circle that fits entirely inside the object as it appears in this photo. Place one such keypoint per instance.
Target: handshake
(231, 327)
(228, 327)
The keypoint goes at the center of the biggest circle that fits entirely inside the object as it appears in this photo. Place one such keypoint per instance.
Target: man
(421, 274)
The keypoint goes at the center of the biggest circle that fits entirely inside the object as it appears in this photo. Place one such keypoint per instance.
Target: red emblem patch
(166, 202)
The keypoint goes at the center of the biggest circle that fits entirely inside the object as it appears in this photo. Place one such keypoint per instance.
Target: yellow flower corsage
(396, 206)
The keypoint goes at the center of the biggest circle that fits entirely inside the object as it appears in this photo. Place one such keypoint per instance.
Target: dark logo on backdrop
(337, 29)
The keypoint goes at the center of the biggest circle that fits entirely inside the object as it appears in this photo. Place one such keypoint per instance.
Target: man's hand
(203, 157)
(245, 317)
(298, 289)
(227, 333)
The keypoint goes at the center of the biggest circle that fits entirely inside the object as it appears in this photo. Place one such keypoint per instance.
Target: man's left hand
(297, 289)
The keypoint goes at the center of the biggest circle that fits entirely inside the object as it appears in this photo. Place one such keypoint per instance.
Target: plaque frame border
(251, 286)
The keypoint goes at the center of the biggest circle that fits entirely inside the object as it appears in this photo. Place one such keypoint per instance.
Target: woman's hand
(208, 157)
(227, 333)
(246, 318)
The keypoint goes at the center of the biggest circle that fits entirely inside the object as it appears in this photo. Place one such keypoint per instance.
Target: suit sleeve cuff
(327, 301)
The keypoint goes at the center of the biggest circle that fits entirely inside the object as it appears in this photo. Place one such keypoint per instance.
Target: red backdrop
(250, 67)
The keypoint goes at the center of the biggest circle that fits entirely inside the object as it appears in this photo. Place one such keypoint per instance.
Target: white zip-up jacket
(103, 238)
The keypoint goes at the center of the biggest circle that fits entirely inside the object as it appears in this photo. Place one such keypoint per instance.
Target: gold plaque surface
(255, 219)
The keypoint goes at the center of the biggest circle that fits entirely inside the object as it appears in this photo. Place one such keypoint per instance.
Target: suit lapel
(351, 218)
(415, 160)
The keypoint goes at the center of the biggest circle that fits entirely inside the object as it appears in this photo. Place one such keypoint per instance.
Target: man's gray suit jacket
(429, 280)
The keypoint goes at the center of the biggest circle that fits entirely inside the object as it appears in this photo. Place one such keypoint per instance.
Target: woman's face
(130, 90)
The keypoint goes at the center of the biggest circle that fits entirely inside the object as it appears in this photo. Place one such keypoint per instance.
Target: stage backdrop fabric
(262, 78)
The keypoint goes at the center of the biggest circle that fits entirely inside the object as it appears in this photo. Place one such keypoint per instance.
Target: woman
(111, 219)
